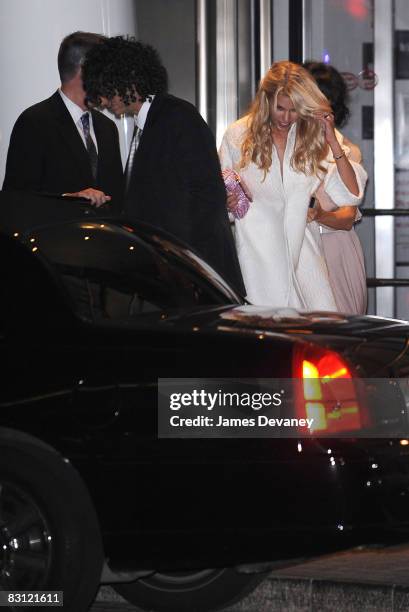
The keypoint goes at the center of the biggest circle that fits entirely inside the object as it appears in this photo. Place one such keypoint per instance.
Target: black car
(94, 313)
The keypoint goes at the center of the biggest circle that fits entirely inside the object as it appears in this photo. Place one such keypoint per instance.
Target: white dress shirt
(139, 124)
(76, 113)
(140, 118)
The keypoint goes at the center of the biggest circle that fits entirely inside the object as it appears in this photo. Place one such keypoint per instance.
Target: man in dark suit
(60, 146)
(173, 178)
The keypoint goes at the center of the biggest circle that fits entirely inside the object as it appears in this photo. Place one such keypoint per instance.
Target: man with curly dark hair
(173, 177)
(60, 146)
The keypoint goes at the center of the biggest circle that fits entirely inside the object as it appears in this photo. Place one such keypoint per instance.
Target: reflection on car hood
(288, 319)
(277, 321)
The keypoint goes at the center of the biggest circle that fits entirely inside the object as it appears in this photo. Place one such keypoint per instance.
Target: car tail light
(326, 392)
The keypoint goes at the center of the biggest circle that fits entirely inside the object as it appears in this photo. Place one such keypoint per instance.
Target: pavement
(358, 580)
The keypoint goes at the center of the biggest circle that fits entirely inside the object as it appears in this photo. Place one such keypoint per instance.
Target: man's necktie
(92, 151)
(137, 133)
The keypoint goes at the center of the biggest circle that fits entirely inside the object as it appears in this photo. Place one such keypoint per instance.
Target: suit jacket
(176, 184)
(46, 153)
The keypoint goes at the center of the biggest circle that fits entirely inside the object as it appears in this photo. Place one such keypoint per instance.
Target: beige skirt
(346, 270)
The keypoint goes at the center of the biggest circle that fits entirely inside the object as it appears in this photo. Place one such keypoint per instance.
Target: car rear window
(111, 272)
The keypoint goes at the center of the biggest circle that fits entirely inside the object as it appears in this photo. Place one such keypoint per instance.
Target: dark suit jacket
(46, 153)
(176, 184)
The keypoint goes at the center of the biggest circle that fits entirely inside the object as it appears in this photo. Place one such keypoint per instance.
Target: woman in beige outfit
(342, 248)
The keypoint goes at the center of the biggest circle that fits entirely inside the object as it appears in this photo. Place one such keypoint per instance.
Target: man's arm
(96, 197)
(210, 224)
(24, 167)
(201, 169)
(26, 159)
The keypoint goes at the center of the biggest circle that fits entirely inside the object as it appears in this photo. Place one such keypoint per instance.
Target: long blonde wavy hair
(310, 150)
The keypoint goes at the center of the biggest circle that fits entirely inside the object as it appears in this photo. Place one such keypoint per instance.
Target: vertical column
(232, 35)
(226, 61)
(202, 54)
(281, 30)
(306, 30)
(265, 36)
(384, 152)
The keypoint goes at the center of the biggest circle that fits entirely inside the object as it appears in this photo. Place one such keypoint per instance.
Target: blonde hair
(310, 150)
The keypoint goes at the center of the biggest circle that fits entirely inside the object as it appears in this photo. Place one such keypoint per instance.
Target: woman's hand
(342, 218)
(246, 190)
(313, 214)
(232, 202)
(345, 170)
(328, 124)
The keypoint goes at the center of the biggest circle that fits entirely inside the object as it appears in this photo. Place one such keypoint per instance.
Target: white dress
(281, 258)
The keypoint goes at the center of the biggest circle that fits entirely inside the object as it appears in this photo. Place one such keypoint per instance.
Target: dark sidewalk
(359, 580)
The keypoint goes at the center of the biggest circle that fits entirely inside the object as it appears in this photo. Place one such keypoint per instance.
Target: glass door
(341, 33)
(368, 41)
(401, 103)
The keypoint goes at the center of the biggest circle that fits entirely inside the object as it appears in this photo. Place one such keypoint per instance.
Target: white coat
(281, 258)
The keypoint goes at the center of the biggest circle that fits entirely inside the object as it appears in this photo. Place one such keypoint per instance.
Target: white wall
(30, 36)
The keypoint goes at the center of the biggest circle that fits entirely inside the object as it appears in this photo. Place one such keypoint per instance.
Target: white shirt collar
(140, 118)
(75, 111)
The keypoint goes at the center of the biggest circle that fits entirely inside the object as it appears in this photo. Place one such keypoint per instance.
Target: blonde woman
(284, 149)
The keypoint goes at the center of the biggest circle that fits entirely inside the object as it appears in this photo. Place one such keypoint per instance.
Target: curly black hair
(333, 87)
(122, 66)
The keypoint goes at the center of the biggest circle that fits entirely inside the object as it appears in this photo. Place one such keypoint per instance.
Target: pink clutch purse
(234, 185)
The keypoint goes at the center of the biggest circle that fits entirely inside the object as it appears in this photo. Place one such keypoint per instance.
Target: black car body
(93, 313)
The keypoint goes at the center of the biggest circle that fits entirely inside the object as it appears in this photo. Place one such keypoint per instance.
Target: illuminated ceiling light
(357, 9)
(86, 237)
(404, 442)
(34, 249)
